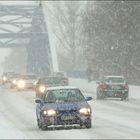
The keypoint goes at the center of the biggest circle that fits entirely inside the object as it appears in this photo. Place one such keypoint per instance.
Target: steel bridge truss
(24, 26)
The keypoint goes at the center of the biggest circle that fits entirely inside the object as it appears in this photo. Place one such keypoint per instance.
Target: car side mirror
(38, 101)
(88, 98)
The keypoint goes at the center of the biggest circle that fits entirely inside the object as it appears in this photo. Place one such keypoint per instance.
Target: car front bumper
(72, 120)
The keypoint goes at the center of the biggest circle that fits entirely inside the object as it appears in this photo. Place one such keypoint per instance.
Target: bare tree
(67, 24)
(112, 30)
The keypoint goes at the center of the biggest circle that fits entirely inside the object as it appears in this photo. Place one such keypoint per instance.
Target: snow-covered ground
(112, 118)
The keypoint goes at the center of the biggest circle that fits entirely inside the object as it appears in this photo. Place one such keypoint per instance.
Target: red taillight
(104, 86)
(126, 86)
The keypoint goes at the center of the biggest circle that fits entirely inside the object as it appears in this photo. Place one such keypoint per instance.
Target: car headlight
(4, 78)
(42, 88)
(21, 84)
(14, 82)
(50, 112)
(85, 111)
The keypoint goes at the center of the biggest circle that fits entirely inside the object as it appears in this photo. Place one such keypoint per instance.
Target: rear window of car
(115, 80)
(59, 74)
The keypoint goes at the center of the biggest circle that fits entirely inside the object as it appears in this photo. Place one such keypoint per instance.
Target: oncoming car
(26, 81)
(61, 77)
(6, 77)
(43, 83)
(113, 86)
(63, 106)
(13, 80)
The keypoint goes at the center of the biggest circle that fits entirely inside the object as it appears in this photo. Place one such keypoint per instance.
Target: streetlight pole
(40, 3)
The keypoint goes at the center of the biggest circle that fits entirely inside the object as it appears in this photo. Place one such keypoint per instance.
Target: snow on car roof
(61, 87)
(108, 76)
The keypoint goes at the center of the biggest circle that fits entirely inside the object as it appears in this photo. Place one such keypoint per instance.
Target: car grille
(67, 115)
(67, 111)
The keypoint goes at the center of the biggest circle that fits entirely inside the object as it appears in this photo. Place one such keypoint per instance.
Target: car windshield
(28, 77)
(64, 95)
(50, 80)
(115, 80)
(59, 74)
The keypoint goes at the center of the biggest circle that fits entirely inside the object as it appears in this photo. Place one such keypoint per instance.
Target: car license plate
(67, 117)
(115, 87)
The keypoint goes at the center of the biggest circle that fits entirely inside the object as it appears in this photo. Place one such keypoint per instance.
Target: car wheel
(88, 123)
(39, 123)
(98, 95)
(101, 95)
(43, 127)
(123, 98)
(127, 96)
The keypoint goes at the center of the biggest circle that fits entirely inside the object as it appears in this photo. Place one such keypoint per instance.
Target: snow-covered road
(111, 118)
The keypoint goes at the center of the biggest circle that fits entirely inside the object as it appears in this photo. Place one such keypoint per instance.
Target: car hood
(29, 80)
(65, 106)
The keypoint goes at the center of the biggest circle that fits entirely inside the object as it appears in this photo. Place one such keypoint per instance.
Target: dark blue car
(63, 106)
